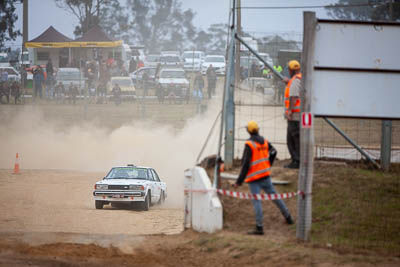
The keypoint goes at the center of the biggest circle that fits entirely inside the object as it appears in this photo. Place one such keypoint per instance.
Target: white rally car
(130, 184)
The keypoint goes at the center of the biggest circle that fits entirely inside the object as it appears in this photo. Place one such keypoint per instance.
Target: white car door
(159, 183)
(155, 193)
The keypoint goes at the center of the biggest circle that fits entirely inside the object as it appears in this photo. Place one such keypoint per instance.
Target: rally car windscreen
(127, 173)
(173, 74)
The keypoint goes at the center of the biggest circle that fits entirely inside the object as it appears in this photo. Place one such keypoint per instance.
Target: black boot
(289, 220)
(293, 165)
(258, 231)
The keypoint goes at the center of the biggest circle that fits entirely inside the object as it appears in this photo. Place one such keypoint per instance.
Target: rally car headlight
(101, 186)
(136, 187)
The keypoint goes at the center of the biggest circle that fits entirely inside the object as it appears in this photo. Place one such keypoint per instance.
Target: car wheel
(162, 198)
(99, 204)
(146, 203)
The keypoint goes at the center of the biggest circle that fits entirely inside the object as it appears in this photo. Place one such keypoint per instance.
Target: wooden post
(304, 207)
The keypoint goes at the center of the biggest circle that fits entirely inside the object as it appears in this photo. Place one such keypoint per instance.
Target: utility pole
(237, 55)
(230, 89)
(24, 38)
(386, 140)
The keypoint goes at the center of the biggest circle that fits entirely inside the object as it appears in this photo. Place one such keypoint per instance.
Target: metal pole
(386, 141)
(304, 202)
(348, 139)
(230, 110)
(386, 144)
(226, 89)
(24, 39)
(237, 55)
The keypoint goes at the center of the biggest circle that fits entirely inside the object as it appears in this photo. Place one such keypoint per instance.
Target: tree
(365, 10)
(272, 44)
(161, 24)
(7, 23)
(108, 14)
(218, 34)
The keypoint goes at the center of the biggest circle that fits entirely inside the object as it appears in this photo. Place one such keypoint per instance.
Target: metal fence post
(304, 207)
(386, 144)
(230, 108)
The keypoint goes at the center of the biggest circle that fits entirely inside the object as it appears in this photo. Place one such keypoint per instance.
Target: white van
(70, 75)
(193, 60)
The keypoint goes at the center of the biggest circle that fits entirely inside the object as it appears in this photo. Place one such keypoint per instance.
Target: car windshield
(3, 58)
(127, 173)
(215, 59)
(121, 82)
(191, 55)
(172, 74)
(68, 75)
(169, 59)
(9, 71)
(152, 58)
(151, 71)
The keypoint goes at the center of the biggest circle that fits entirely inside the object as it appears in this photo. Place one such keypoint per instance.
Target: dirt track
(62, 201)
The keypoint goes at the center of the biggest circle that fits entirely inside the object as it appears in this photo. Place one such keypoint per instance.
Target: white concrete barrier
(203, 210)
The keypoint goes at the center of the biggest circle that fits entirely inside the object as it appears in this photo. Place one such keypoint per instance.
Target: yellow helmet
(294, 65)
(252, 127)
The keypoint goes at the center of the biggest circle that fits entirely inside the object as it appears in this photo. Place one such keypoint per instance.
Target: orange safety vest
(259, 165)
(287, 98)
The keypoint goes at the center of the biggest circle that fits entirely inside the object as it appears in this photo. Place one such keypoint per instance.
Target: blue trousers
(266, 185)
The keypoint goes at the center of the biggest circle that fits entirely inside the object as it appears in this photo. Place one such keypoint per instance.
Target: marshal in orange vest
(287, 92)
(259, 164)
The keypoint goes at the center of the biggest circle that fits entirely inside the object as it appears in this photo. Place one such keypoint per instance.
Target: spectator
(132, 65)
(117, 94)
(211, 80)
(145, 83)
(38, 79)
(74, 94)
(59, 91)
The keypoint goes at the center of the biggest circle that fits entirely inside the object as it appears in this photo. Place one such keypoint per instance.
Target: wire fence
(353, 208)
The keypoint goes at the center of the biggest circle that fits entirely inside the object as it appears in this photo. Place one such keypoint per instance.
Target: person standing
(49, 80)
(292, 113)
(38, 79)
(211, 80)
(117, 94)
(258, 157)
(145, 83)
(132, 65)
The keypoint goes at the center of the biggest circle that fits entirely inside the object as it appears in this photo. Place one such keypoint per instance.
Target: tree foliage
(156, 24)
(7, 23)
(108, 14)
(161, 24)
(365, 10)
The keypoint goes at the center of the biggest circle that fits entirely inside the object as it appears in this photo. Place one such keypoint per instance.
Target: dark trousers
(293, 140)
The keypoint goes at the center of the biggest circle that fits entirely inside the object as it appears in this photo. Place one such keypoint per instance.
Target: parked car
(151, 60)
(193, 60)
(218, 63)
(137, 77)
(130, 184)
(70, 75)
(13, 74)
(173, 80)
(128, 89)
(170, 60)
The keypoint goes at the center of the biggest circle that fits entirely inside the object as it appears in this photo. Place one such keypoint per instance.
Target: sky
(287, 22)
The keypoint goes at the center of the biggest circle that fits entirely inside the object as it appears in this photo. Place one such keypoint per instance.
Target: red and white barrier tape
(242, 195)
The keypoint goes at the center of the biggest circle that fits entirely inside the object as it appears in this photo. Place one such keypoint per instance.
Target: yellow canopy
(72, 44)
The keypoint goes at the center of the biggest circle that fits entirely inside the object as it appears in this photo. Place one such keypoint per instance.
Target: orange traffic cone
(16, 165)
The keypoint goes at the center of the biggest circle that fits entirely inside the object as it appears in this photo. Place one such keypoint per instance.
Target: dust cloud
(42, 145)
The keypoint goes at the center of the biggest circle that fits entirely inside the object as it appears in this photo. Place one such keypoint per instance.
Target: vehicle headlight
(136, 187)
(101, 186)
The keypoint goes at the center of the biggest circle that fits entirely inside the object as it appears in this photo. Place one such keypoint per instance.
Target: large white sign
(356, 70)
